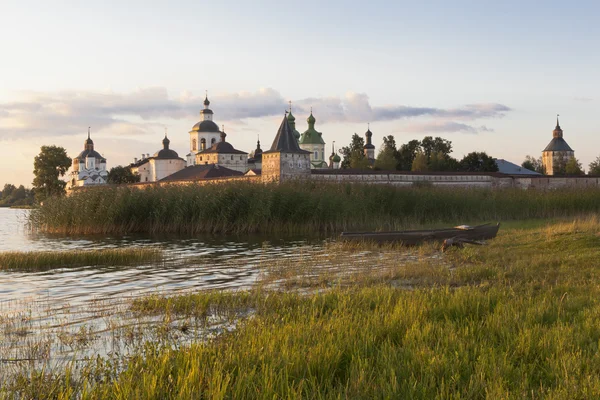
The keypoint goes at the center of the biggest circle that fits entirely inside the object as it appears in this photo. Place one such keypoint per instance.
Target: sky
(488, 76)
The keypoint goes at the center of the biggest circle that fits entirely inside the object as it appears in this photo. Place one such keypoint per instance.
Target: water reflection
(196, 263)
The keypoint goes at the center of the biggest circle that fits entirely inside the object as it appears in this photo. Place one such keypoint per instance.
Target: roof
(206, 126)
(558, 144)
(91, 153)
(222, 147)
(319, 164)
(311, 136)
(506, 167)
(199, 172)
(284, 141)
(254, 172)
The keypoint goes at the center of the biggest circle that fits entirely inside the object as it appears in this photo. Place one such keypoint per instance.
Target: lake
(203, 263)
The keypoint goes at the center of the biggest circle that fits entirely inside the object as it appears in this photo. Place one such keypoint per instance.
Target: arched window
(212, 141)
(231, 158)
(203, 144)
(194, 145)
(316, 154)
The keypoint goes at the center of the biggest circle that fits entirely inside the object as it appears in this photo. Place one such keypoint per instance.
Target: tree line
(429, 154)
(562, 166)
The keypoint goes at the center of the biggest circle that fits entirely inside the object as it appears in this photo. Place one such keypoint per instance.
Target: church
(89, 167)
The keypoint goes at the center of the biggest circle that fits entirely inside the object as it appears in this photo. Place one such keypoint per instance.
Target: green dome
(337, 158)
(291, 117)
(311, 136)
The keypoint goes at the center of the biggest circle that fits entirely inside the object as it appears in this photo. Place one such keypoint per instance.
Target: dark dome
(89, 153)
(89, 141)
(166, 154)
(206, 126)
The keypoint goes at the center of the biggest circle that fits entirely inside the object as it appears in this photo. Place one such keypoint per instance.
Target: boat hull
(411, 238)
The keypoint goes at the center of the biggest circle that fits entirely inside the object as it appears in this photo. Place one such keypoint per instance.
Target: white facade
(155, 169)
(203, 135)
(165, 162)
(236, 162)
(89, 167)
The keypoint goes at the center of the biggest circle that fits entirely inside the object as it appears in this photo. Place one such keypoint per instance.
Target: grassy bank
(44, 260)
(515, 319)
(296, 208)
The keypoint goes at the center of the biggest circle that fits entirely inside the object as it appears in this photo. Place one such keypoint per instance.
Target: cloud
(138, 112)
(445, 127)
(583, 99)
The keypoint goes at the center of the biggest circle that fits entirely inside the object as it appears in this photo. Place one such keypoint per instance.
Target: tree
(120, 175)
(354, 153)
(48, 166)
(406, 155)
(478, 162)
(7, 191)
(437, 145)
(594, 167)
(533, 164)
(387, 157)
(573, 167)
(419, 163)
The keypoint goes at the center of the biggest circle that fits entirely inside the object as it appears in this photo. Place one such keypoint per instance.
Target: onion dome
(311, 136)
(206, 101)
(369, 135)
(258, 150)
(292, 121)
(337, 158)
(166, 153)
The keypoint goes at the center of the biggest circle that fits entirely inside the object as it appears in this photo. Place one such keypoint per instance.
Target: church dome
(337, 158)
(166, 153)
(311, 119)
(206, 126)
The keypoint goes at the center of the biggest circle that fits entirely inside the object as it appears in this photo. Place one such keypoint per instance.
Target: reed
(295, 208)
(45, 260)
(515, 319)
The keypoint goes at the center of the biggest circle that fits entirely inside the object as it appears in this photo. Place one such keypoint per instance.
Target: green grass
(45, 260)
(515, 319)
(300, 208)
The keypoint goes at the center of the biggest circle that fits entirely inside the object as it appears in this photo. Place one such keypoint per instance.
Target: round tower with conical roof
(557, 154)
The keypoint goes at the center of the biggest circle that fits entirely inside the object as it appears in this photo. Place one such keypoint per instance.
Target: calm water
(203, 263)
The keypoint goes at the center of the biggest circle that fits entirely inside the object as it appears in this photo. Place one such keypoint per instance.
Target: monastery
(295, 155)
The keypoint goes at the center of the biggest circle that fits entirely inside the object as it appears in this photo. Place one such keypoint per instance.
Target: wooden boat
(410, 238)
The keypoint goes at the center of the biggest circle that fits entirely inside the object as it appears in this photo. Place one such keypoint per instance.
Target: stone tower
(285, 160)
(556, 155)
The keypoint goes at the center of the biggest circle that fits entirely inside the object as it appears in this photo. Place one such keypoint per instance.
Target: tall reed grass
(295, 208)
(44, 260)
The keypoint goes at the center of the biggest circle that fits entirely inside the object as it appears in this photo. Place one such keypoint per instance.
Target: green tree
(387, 157)
(594, 167)
(48, 166)
(432, 145)
(7, 191)
(419, 163)
(120, 175)
(478, 162)
(533, 164)
(573, 167)
(353, 154)
(407, 153)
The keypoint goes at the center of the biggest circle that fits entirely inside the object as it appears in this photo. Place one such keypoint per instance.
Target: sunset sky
(489, 76)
